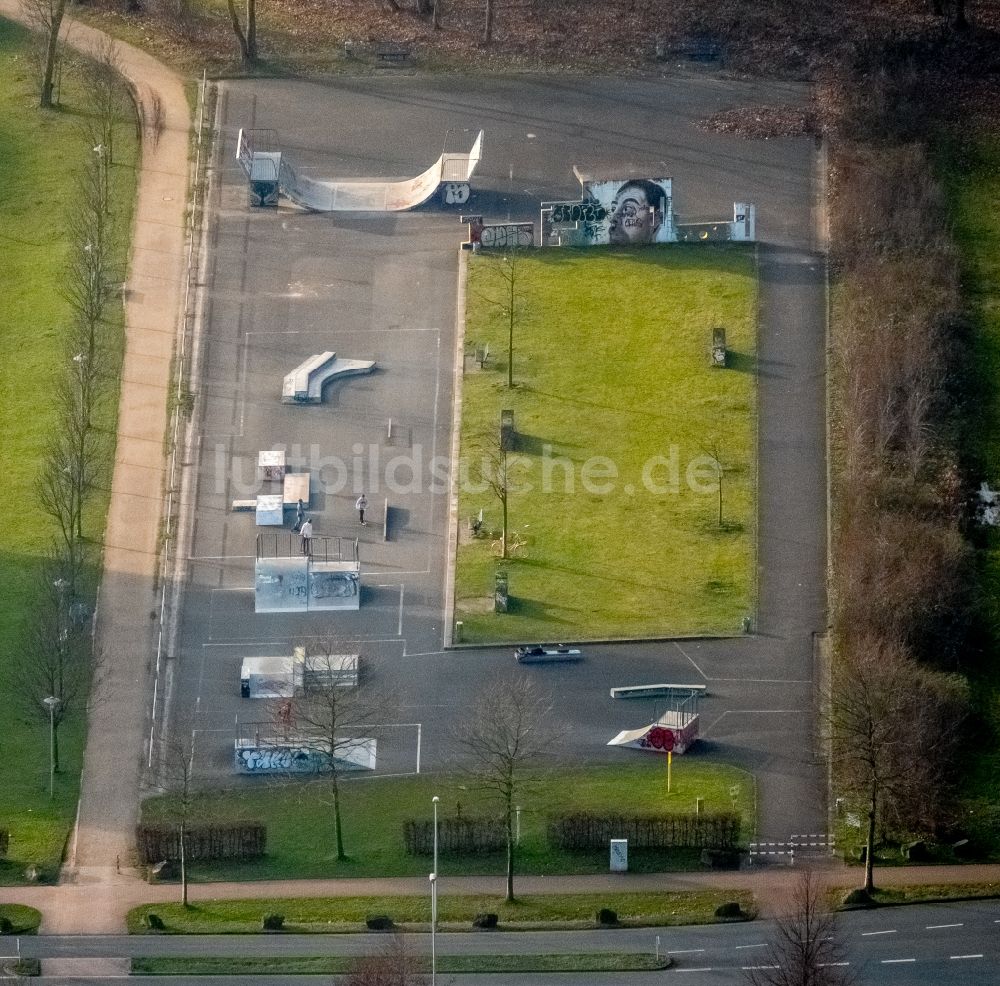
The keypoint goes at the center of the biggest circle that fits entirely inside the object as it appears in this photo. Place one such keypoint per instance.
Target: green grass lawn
(375, 808)
(39, 153)
(332, 965)
(335, 914)
(611, 371)
(24, 920)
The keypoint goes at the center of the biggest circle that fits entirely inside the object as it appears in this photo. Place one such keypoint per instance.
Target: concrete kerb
(456, 439)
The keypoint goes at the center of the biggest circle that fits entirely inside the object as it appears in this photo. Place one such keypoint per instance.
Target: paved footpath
(128, 600)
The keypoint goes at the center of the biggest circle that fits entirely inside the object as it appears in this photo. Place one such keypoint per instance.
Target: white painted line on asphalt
(686, 951)
(763, 944)
(868, 934)
(706, 968)
(932, 927)
(752, 968)
(691, 659)
(399, 623)
(977, 956)
(896, 961)
(823, 965)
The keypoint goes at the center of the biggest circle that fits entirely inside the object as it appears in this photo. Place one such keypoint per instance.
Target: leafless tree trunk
(488, 25)
(885, 711)
(177, 766)
(57, 658)
(436, 14)
(492, 471)
(505, 271)
(331, 720)
(46, 17)
(805, 949)
(713, 449)
(247, 38)
(509, 729)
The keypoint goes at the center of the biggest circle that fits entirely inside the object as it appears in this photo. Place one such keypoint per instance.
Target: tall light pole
(434, 801)
(434, 915)
(51, 702)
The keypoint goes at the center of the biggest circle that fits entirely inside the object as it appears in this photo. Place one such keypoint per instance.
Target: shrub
(379, 922)
(485, 921)
(721, 859)
(6, 926)
(607, 916)
(730, 910)
(455, 835)
(154, 922)
(28, 967)
(273, 922)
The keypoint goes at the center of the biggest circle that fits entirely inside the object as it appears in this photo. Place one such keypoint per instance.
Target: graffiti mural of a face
(637, 212)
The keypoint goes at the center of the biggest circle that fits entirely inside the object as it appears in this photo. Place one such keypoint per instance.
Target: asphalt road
(284, 284)
(958, 943)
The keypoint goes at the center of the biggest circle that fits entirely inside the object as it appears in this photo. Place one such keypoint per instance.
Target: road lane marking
(931, 927)
(896, 961)
(824, 965)
(706, 968)
(761, 945)
(751, 968)
(979, 956)
(868, 934)
(686, 951)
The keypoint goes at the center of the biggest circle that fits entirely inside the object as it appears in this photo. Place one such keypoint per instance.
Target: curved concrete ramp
(366, 194)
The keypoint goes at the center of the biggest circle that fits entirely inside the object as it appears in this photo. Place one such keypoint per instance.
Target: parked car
(539, 653)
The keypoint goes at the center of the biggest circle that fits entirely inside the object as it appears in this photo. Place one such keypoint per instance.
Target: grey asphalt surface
(932, 943)
(284, 284)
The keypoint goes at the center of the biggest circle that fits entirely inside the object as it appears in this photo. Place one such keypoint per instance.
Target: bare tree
(396, 965)
(509, 730)
(713, 449)
(46, 17)
(177, 766)
(895, 726)
(491, 468)
(332, 721)
(247, 37)
(56, 654)
(505, 273)
(805, 950)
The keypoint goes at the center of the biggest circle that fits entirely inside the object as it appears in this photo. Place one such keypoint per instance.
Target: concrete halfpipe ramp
(265, 166)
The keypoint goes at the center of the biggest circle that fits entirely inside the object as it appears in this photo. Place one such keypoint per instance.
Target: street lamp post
(434, 914)
(51, 702)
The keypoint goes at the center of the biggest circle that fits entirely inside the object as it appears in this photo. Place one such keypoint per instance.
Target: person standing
(307, 533)
(362, 506)
(300, 516)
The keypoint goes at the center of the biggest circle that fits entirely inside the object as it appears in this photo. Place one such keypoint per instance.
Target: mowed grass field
(300, 834)
(613, 509)
(40, 154)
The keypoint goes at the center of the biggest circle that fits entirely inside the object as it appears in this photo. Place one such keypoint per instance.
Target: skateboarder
(362, 506)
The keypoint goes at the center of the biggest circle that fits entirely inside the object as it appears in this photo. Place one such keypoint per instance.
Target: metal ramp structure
(269, 171)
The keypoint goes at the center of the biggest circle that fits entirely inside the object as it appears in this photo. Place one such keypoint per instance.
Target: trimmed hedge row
(587, 830)
(239, 840)
(455, 835)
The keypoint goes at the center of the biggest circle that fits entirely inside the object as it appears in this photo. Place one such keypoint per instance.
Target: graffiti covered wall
(631, 211)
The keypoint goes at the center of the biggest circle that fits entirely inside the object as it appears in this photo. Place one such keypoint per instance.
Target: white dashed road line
(824, 965)
(896, 961)
(868, 934)
(979, 956)
(932, 927)
(751, 968)
(706, 968)
(761, 945)
(686, 951)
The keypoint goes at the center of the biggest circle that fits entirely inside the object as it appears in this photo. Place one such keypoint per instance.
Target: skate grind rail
(262, 165)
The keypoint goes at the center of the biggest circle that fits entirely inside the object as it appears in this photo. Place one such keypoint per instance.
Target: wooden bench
(395, 54)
